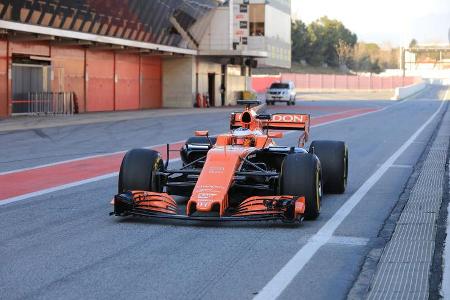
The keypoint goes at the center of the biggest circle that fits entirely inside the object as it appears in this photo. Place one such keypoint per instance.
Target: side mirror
(201, 133)
(275, 135)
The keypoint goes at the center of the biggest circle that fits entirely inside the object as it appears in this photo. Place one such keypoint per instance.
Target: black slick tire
(137, 172)
(333, 156)
(301, 176)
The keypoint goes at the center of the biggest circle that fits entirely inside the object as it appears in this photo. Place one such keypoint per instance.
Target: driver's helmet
(244, 137)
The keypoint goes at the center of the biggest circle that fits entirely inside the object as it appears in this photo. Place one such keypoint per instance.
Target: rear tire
(333, 156)
(137, 172)
(301, 176)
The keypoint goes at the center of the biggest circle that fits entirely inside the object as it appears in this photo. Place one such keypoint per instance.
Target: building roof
(165, 25)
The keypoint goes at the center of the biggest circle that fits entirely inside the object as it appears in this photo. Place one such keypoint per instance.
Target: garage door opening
(31, 89)
(28, 76)
(212, 89)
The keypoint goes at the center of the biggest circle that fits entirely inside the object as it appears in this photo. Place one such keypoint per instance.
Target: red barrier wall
(151, 82)
(319, 81)
(99, 80)
(3, 79)
(260, 84)
(127, 82)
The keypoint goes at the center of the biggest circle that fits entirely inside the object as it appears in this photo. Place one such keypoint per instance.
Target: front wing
(163, 206)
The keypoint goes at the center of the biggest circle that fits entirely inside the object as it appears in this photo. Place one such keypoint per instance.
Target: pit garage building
(114, 55)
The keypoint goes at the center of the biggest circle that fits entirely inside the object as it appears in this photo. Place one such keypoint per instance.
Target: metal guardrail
(37, 103)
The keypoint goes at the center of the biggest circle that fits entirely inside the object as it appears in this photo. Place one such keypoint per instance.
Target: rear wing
(278, 121)
(287, 121)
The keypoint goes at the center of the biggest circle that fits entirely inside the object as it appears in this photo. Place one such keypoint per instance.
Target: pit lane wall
(407, 91)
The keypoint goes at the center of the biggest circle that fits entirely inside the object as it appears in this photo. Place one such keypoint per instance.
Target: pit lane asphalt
(64, 244)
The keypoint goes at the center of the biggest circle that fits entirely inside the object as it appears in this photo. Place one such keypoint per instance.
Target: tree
(413, 43)
(344, 52)
(323, 42)
(369, 57)
(324, 35)
(300, 41)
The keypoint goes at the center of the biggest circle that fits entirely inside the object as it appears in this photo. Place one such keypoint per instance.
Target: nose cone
(215, 180)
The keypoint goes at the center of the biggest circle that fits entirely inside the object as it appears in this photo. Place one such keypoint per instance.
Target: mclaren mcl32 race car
(239, 176)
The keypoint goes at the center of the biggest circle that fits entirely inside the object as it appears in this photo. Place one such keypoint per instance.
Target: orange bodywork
(211, 191)
(223, 160)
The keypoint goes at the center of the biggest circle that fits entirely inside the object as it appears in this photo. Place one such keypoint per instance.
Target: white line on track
(78, 159)
(65, 186)
(109, 175)
(57, 188)
(284, 277)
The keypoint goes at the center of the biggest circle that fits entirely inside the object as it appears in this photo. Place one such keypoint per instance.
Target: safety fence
(45, 103)
(326, 81)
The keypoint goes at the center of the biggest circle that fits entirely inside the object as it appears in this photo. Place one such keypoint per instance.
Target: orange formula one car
(240, 176)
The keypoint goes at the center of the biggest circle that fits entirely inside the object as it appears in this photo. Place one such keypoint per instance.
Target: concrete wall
(278, 24)
(235, 83)
(178, 81)
(277, 37)
(407, 91)
(183, 78)
(218, 35)
(203, 69)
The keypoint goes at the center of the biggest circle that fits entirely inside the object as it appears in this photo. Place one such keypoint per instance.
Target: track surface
(64, 244)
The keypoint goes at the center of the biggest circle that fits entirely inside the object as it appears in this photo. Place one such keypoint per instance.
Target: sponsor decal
(202, 204)
(216, 170)
(209, 187)
(289, 118)
(205, 196)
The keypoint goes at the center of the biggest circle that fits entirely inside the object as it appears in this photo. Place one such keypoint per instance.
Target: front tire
(333, 156)
(301, 176)
(137, 172)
